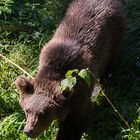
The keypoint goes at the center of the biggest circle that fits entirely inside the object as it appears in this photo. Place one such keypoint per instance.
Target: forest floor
(24, 28)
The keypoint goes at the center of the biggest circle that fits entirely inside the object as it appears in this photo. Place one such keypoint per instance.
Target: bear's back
(88, 36)
(85, 18)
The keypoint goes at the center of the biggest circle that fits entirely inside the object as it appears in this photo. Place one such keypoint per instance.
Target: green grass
(24, 28)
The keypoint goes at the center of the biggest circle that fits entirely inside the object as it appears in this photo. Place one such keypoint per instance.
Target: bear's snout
(31, 127)
(27, 131)
(30, 133)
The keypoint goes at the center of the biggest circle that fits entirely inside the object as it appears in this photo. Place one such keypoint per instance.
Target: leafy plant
(5, 6)
(69, 82)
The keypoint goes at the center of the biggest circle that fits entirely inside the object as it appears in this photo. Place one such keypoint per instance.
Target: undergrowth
(25, 26)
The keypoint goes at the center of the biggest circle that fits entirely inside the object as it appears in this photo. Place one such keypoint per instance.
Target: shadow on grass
(123, 88)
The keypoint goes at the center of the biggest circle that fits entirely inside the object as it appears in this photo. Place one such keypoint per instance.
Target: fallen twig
(27, 29)
(8, 60)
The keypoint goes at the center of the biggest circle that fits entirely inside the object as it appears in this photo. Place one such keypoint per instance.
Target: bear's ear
(24, 85)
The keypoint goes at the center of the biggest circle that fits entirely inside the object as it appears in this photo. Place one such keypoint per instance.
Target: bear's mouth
(33, 134)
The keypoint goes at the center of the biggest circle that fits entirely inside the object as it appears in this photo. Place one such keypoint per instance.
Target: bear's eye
(42, 112)
(27, 111)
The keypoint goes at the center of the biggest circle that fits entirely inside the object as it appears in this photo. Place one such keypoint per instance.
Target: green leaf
(68, 84)
(70, 72)
(86, 75)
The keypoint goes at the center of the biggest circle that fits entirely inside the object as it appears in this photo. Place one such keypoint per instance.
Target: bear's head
(42, 103)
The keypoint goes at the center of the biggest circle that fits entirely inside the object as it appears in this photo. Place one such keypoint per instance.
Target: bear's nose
(27, 131)
(30, 133)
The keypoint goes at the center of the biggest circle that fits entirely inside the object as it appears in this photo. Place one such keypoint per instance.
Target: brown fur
(89, 36)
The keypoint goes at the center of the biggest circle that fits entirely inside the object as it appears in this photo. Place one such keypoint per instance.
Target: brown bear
(89, 36)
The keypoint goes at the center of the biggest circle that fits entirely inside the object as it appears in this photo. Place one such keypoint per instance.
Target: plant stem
(8, 60)
(27, 29)
(121, 117)
(109, 101)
